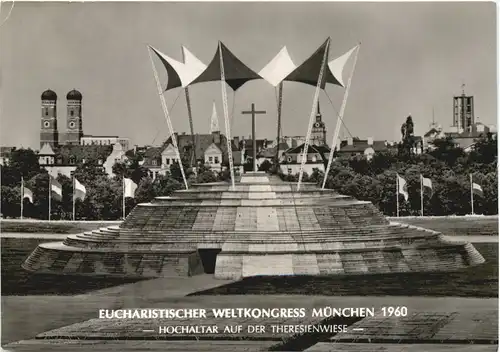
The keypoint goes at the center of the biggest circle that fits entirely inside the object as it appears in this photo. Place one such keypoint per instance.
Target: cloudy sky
(414, 57)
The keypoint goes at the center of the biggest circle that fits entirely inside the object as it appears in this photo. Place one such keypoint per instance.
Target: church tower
(74, 127)
(318, 134)
(48, 131)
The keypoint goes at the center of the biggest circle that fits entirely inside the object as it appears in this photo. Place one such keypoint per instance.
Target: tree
(11, 201)
(446, 150)
(484, 150)
(25, 161)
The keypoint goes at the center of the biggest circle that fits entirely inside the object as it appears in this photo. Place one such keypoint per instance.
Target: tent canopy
(180, 74)
(236, 72)
(308, 71)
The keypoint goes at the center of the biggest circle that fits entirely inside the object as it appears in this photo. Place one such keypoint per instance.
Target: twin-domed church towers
(74, 127)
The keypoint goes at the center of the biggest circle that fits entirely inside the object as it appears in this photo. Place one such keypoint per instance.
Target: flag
(79, 192)
(27, 194)
(426, 182)
(56, 187)
(402, 187)
(476, 189)
(129, 188)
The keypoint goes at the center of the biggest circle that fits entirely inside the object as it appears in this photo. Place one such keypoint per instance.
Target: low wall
(454, 225)
(449, 225)
(56, 226)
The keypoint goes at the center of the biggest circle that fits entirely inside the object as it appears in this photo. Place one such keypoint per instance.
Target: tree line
(447, 165)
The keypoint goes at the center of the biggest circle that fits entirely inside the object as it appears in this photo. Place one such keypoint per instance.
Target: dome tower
(48, 129)
(74, 126)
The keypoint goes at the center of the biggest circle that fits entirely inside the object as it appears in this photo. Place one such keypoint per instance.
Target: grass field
(19, 282)
(479, 281)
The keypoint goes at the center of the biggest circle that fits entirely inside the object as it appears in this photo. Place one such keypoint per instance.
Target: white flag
(27, 194)
(477, 189)
(402, 187)
(56, 187)
(79, 192)
(426, 182)
(129, 188)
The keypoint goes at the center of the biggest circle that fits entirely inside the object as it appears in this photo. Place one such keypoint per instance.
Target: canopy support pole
(339, 120)
(313, 111)
(193, 137)
(226, 117)
(280, 101)
(167, 117)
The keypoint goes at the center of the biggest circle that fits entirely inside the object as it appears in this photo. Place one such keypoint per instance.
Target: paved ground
(53, 311)
(372, 347)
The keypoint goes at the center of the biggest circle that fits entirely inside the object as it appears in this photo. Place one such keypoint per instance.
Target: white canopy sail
(337, 65)
(278, 68)
(181, 74)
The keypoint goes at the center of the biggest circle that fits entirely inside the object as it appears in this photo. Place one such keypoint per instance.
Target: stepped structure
(262, 227)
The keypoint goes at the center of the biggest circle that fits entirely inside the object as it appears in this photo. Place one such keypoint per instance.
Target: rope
(226, 117)
(171, 109)
(311, 117)
(8, 15)
(167, 117)
(341, 115)
(336, 111)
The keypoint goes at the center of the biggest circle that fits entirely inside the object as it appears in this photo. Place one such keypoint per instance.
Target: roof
(74, 154)
(312, 149)
(260, 143)
(74, 95)
(359, 146)
(49, 95)
(153, 153)
(432, 131)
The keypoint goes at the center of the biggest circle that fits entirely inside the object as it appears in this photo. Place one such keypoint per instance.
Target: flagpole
(22, 196)
(397, 195)
(50, 196)
(73, 197)
(471, 195)
(421, 195)
(123, 186)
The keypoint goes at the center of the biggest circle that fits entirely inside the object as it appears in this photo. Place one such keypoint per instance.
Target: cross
(253, 112)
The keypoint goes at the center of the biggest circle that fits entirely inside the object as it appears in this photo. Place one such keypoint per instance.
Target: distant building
(318, 132)
(64, 159)
(317, 158)
(105, 140)
(48, 129)
(5, 153)
(50, 134)
(465, 129)
(367, 147)
(211, 150)
(463, 113)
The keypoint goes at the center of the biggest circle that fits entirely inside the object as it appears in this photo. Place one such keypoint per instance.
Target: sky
(414, 58)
